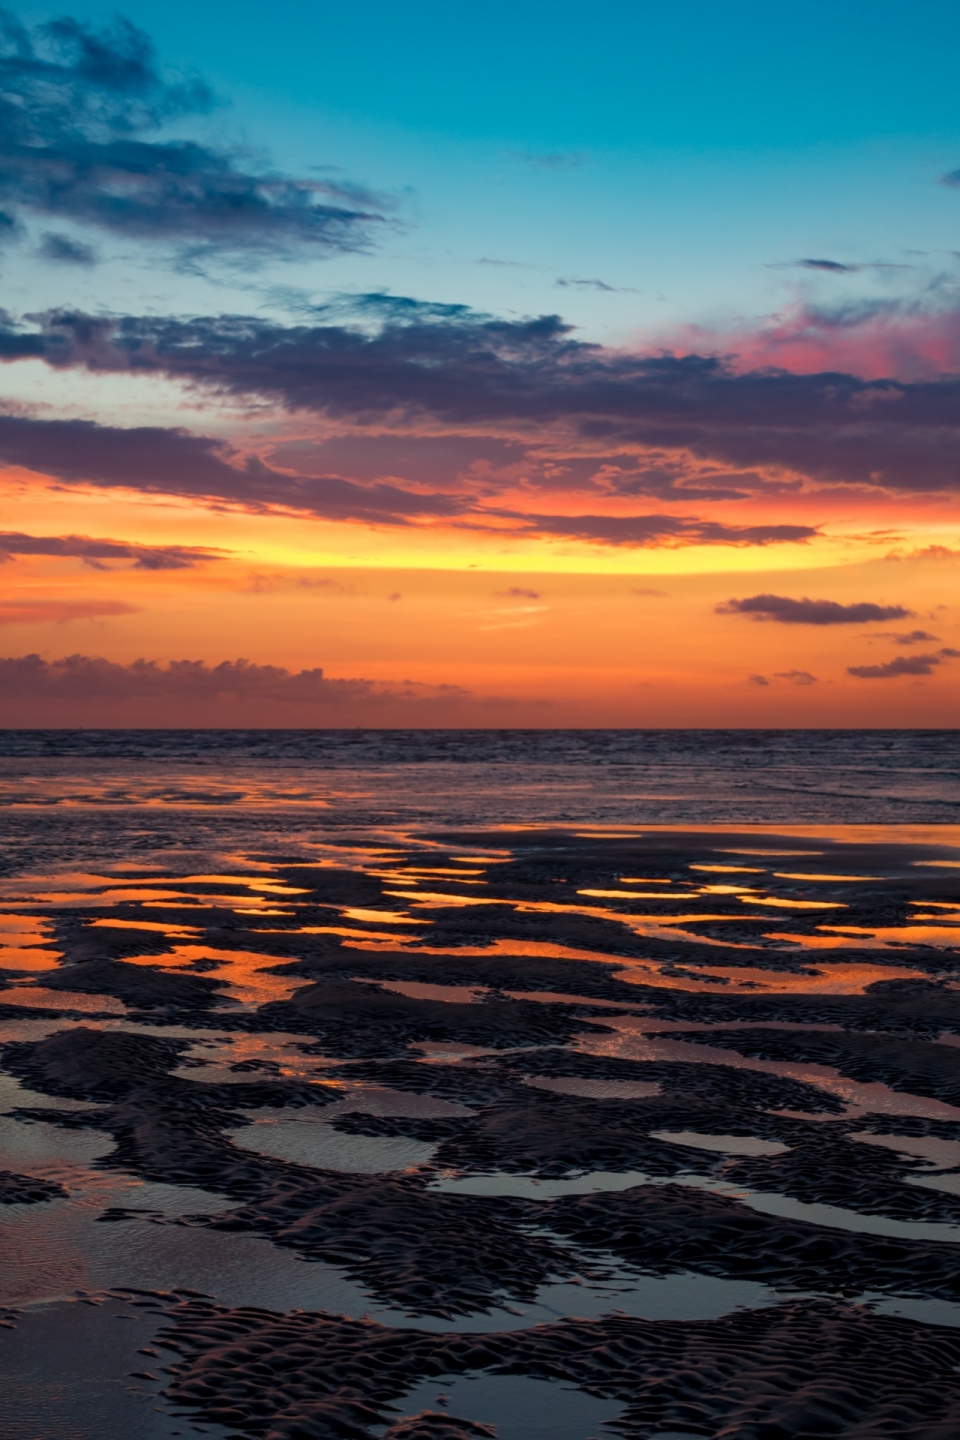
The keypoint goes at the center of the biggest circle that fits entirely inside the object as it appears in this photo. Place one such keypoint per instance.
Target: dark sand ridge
(27, 1189)
(810, 1368)
(446, 1254)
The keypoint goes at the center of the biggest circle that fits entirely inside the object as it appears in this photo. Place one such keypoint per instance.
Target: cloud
(59, 612)
(837, 267)
(879, 339)
(507, 264)
(893, 669)
(646, 590)
(810, 612)
(759, 680)
(172, 462)
(188, 692)
(927, 552)
(910, 637)
(571, 282)
(94, 551)
(79, 677)
(555, 160)
(75, 106)
(389, 360)
(832, 266)
(517, 592)
(65, 251)
(797, 677)
(664, 530)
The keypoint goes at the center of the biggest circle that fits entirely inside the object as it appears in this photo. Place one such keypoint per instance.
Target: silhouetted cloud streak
(785, 611)
(95, 552)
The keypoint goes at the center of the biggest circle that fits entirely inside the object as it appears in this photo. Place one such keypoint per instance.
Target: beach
(362, 1086)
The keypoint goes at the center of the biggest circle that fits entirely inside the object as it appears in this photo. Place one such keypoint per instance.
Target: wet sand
(666, 1120)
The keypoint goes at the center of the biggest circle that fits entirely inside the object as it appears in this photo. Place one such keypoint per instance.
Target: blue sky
(667, 163)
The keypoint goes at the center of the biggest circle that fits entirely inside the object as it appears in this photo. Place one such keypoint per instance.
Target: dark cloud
(663, 530)
(892, 669)
(190, 692)
(162, 461)
(171, 462)
(645, 590)
(833, 266)
(810, 612)
(759, 680)
(80, 677)
(75, 105)
(64, 251)
(95, 552)
(797, 677)
(517, 592)
(398, 362)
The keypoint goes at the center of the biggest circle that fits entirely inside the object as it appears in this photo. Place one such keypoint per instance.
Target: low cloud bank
(196, 683)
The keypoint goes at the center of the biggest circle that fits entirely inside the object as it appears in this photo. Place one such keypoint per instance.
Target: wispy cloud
(552, 160)
(60, 612)
(572, 282)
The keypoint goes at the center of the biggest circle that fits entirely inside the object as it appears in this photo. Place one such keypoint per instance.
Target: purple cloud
(810, 612)
(797, 677)
(901, 665)
(94, 552)
(411, 364)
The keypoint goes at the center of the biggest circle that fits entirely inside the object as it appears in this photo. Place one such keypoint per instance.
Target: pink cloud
(874, 342)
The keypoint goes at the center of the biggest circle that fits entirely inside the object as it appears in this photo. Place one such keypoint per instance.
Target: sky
(505, 366)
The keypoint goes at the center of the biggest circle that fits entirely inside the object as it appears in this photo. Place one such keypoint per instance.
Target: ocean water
(481, 777)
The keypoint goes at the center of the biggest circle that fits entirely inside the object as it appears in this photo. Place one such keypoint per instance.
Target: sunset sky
(514, 365)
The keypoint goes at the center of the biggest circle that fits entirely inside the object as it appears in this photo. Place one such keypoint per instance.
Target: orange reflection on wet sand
(377, 917)
(423, 990)
(634, 1039)
(249, 975)
(844, 978)
(20, 937)
(347, 931)
(829, 879)
(175, 932)
(38, 997)
(840, 979)
(783, 904)
(883, 937)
